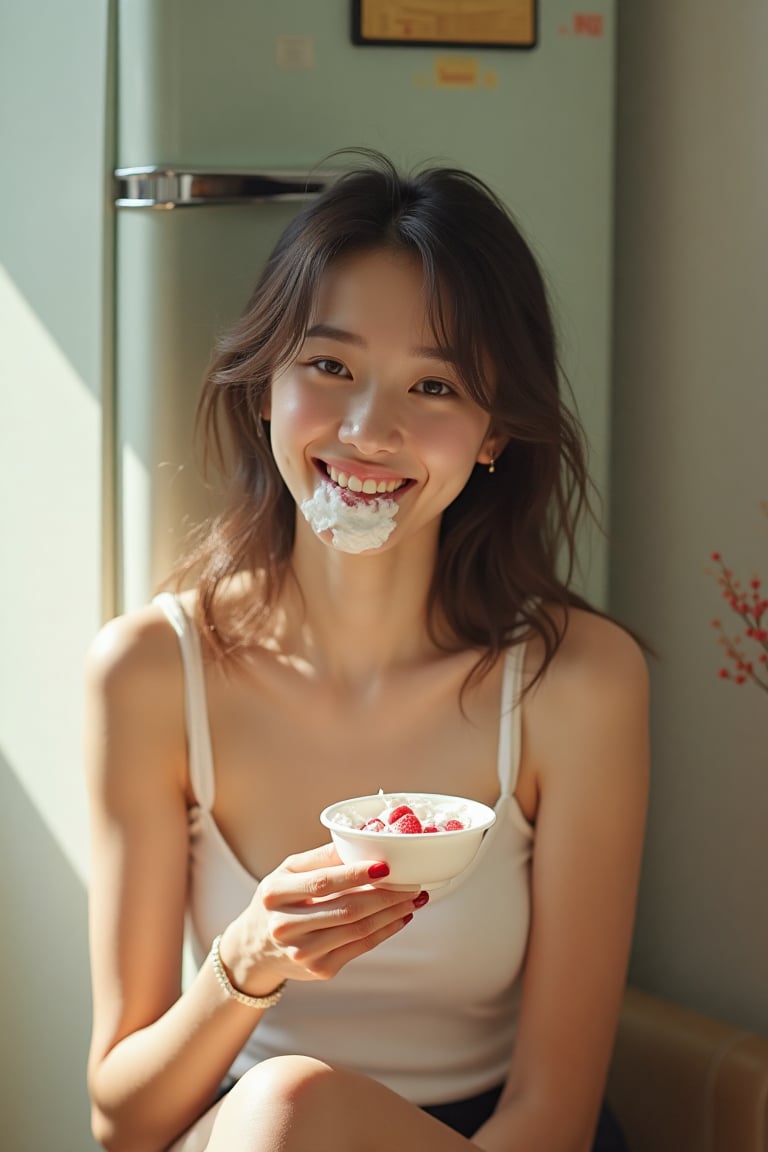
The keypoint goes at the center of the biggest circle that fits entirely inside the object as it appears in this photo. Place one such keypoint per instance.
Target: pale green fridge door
(223, 111)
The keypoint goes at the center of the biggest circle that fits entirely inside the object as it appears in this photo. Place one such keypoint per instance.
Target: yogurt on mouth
(356, 524)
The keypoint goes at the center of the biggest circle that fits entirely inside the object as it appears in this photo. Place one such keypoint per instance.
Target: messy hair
(507, 543)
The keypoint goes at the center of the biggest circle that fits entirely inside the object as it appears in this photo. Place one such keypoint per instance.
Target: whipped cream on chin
(356, 524)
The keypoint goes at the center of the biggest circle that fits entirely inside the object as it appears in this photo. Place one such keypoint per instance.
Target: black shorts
(466, 1116)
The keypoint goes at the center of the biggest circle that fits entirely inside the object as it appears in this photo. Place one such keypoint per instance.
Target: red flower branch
(747, 651)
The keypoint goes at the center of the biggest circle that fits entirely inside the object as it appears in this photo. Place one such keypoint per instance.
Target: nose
(371, 424)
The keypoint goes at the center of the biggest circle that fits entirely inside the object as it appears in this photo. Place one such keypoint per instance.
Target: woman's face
(371, 408)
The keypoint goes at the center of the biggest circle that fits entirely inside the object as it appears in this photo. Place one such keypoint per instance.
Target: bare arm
(145, 1077)
(157, 1056)
(586, 735)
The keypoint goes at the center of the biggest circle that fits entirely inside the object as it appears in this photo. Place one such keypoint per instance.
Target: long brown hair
(507, 543)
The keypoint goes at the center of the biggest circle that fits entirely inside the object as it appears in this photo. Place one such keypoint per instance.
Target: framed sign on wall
(445, 23)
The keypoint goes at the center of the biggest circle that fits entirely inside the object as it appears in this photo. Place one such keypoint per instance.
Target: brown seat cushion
(681, 1081)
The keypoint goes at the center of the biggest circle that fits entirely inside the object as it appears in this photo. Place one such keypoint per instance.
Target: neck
(360, 616)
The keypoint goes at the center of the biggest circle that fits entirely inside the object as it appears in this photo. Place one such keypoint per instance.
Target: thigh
(196, 1138)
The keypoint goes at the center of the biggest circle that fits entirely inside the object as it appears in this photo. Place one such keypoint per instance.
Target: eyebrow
(425, 351)
(332, 333)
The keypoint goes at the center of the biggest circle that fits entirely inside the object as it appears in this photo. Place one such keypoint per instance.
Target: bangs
(456, 324)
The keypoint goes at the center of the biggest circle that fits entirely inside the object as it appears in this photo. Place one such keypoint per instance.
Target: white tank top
(431, 1013)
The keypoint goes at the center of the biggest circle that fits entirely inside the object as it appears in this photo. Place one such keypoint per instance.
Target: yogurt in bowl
(426, 838)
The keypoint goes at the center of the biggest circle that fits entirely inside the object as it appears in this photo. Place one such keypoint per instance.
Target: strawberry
(430, 828)
(396, 813)
(374, 825)
(408, 823)
(453, 826)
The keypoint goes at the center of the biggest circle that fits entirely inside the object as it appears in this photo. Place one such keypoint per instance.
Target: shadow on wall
(45, 986)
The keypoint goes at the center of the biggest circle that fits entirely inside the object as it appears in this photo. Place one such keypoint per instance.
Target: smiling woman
(381, 607)
(363, 408)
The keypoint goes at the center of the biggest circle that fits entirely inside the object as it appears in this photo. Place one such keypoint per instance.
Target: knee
(285, 1077)
(298, 1089)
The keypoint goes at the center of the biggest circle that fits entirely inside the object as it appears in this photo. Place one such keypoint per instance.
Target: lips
(364, 485)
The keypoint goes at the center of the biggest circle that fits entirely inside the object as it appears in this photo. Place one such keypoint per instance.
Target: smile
(367, 486)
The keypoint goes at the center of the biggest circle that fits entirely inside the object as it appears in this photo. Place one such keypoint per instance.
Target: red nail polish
(407, 919)
(421, 900)
(378, 871)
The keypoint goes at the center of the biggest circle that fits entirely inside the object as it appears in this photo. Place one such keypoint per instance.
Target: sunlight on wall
(50, 447)
(136, 531)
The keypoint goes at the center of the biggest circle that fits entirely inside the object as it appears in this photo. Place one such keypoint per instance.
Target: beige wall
(690, 466)
(52, 165)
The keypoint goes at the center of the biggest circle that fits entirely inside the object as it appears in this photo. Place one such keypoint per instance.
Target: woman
(381, 605)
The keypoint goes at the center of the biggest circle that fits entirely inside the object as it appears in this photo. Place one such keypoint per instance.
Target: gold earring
(492, 465)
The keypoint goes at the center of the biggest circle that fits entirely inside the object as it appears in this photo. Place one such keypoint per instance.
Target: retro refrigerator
(224, 108)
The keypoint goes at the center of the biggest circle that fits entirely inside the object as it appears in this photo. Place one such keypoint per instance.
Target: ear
(491, 449)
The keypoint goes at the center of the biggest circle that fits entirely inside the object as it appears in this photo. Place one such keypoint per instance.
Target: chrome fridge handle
(155, 187)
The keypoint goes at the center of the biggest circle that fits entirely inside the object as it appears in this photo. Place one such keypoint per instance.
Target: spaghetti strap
(510, 725)
(195, 705)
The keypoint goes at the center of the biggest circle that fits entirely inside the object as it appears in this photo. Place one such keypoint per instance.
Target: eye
(330, 367)
(434, 388)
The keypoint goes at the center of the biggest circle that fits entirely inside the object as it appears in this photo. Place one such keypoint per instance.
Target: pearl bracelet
(250, 1001)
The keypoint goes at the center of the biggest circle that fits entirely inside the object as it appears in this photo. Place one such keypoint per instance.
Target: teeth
(368, 487)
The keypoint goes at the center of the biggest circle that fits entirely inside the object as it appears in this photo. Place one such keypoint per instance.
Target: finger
(329, 963)
(312, 907)
(320, 883)
(312, 931)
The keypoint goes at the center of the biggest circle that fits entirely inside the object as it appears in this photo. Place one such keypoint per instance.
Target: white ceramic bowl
(416, 860)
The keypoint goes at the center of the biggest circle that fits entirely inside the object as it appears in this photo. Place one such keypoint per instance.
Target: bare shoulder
(596, 657)
(592, 703)
(129, 650)
(134, 699)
